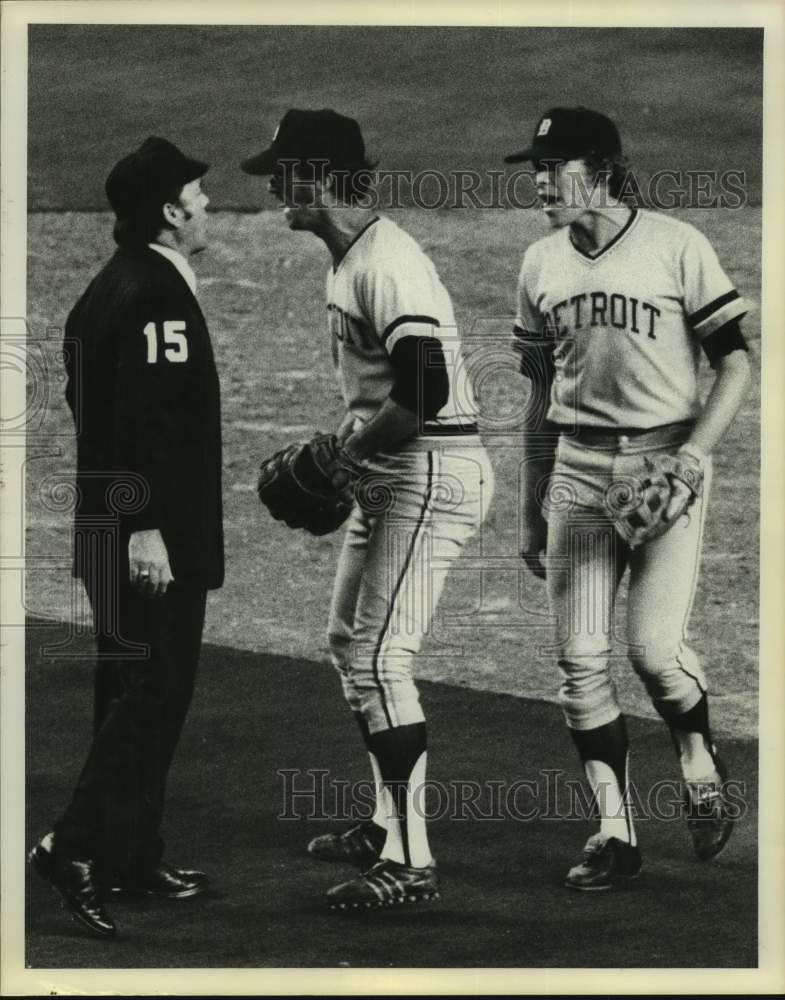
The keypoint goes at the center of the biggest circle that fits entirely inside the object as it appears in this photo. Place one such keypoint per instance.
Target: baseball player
(615, 308)
(411, 426)
(148, 536)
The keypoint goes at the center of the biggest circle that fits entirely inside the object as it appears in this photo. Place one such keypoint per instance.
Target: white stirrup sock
(413, 828)
(615, 818)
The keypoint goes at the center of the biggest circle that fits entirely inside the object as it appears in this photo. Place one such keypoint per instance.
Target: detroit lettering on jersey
(592, 309)
(623, 328)
(349, 329)
(386, 288)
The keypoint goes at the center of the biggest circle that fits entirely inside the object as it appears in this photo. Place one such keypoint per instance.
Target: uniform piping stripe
(703, 314)
(424, 320)
(703, 500)
(684, 670)
(399, 583)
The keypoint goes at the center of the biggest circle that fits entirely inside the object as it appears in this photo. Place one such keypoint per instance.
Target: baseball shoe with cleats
(360, 845)
(709, 818)
(605, 860)
(387, 883)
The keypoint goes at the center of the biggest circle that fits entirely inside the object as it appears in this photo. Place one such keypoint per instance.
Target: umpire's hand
(148, 563)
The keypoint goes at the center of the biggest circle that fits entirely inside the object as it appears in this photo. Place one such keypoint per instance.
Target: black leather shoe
(76, 881)
(165, 882)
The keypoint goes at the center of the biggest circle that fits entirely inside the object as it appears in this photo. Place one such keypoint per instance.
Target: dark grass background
(427, 98)
(503, 903)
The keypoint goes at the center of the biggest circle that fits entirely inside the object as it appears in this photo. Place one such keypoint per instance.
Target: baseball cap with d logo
(569, 133)
(311, 135)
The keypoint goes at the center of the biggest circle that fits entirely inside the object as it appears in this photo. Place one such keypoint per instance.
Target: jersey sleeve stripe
(702, 314)
(524, 340)
(733, 310)
(405, 320)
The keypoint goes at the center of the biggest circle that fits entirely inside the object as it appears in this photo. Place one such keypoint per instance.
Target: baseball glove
(649, 504)
(309, 485)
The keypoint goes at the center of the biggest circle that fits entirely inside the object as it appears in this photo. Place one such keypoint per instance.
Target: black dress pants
(148, 652)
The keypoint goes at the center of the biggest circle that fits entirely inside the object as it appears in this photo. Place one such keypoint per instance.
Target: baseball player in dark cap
(148, 538)
(414, 431)
(615, 309)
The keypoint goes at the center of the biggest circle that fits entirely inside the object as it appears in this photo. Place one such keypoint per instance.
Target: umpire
(148, 537)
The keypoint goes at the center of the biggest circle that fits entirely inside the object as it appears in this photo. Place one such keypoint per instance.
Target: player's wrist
(351, 449)
(694, 452)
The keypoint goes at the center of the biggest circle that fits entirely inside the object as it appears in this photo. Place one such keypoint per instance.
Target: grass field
(453, 99)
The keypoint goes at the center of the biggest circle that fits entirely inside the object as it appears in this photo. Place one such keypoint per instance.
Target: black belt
(610, 437)
(448, 430)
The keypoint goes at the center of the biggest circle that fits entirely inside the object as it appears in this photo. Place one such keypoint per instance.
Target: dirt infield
(261, 291)
(256, 715)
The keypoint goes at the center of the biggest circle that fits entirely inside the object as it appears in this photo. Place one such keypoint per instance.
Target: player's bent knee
(587, 694)
(673, 678)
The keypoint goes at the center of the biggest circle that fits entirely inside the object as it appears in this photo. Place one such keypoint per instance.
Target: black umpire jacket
(144, 393)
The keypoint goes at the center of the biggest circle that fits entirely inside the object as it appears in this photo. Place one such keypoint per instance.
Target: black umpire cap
(149, 175)
(569, 133)
(311, 135)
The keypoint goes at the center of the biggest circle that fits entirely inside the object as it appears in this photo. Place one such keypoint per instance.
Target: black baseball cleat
(164, 882)
(605, 860)
(76, 881)
(708, 813)
(387, 883)
(360, 845)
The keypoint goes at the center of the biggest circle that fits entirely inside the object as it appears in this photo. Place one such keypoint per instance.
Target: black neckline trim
(611, 243)
(362, 232)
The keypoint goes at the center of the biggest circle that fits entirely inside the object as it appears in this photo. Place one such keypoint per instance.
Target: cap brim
(193, 169)
(262, 163)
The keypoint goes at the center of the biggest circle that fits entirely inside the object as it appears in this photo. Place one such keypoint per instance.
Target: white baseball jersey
(626, 325)
(384, 289)
(396, 556)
